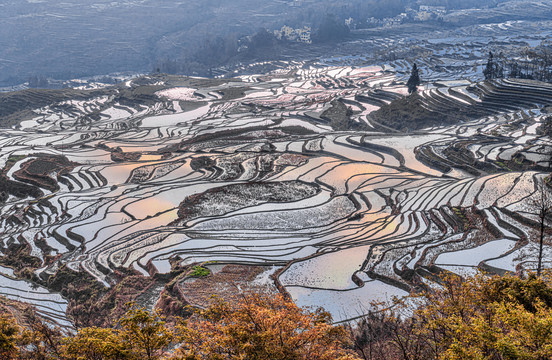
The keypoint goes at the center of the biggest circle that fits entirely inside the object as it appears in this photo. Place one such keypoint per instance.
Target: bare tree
(542, 203)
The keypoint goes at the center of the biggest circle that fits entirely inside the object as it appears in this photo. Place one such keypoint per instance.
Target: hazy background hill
(62, 39)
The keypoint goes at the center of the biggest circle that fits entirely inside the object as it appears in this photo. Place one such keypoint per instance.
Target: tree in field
(488, 72)
(414, 80)
(263, 327)
(542, 203)
(493, 70)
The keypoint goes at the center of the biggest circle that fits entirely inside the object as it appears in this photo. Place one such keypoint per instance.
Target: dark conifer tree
(488, 72)
(414, 80)
(493, 70)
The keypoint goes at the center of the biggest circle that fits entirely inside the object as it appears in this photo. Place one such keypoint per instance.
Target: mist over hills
(64, 40)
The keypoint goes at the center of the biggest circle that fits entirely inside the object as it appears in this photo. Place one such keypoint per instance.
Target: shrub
(199, 271)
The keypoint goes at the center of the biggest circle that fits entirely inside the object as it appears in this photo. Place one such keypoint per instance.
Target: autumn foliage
(254, 326)
(483, 318)
(479, 318)
(261, 327)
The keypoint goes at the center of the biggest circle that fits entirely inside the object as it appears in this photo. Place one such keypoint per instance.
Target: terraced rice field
(252, 171)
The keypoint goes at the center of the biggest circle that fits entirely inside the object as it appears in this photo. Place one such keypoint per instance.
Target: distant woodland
(530, 63)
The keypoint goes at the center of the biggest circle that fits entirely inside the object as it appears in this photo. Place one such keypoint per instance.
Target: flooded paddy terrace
(255, 171)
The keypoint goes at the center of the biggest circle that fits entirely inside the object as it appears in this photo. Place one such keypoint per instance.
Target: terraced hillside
(304, 181)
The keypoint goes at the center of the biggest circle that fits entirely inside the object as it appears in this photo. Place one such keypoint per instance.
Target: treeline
(473, 318)
(531, 63)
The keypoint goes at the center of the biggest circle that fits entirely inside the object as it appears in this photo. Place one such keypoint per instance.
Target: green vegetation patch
(199, 271)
